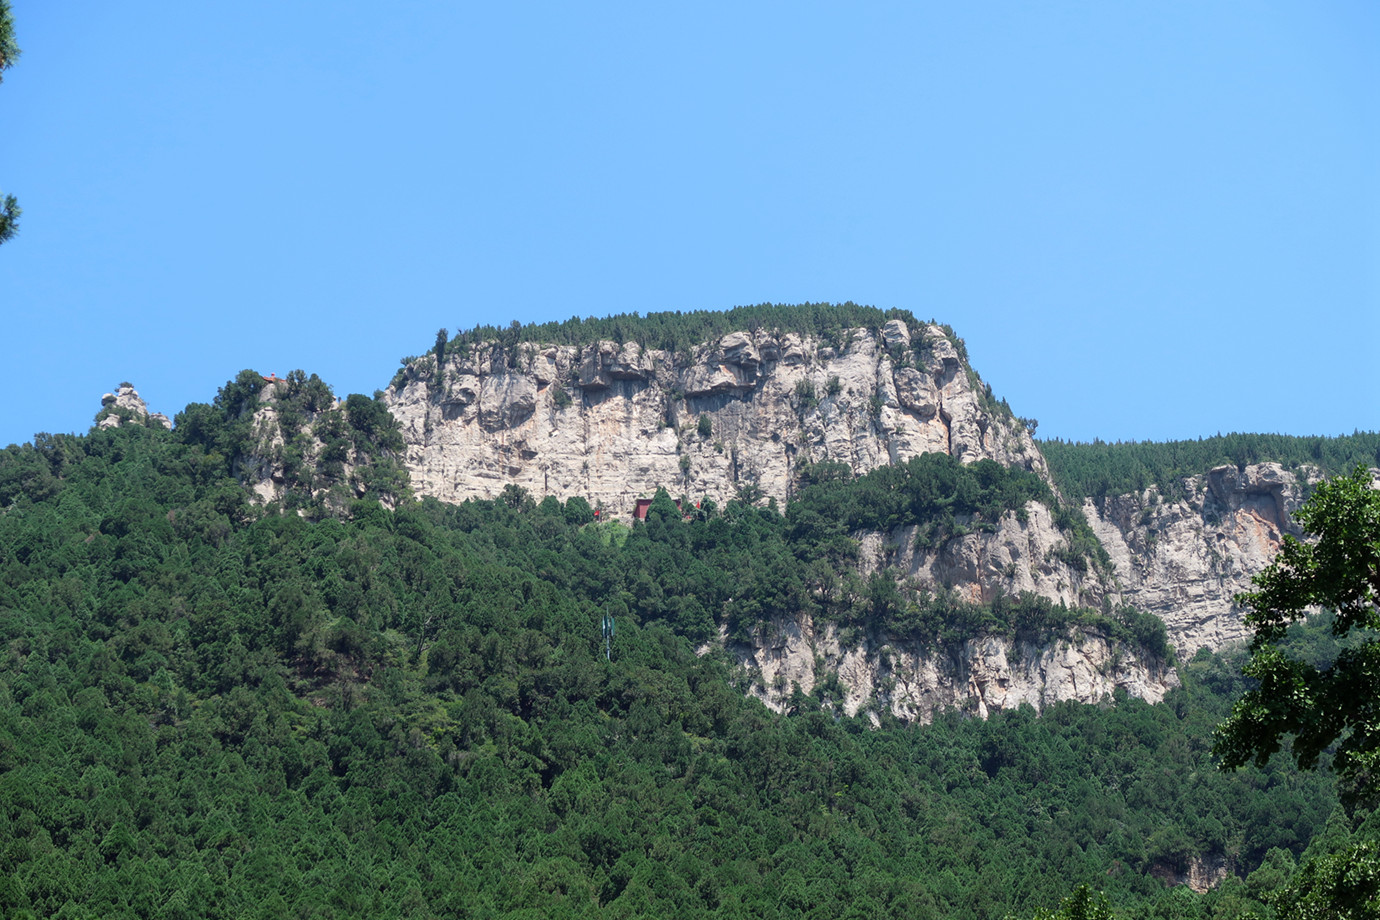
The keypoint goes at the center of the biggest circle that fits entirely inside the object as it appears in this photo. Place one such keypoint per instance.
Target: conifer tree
(9, 53)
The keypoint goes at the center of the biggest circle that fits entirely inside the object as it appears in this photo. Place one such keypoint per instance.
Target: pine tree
(9, 53)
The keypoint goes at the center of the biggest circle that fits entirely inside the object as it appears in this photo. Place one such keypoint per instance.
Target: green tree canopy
(1083, 904)
(9, 53)
(1328, 704)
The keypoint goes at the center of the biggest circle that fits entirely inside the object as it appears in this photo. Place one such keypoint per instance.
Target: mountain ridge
(744, 416)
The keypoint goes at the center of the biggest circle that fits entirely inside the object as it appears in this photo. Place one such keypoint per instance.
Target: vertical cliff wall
(613, 421)
(1184, 559)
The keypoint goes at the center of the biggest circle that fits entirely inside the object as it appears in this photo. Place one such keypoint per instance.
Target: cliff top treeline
(1099, 469)
(678, 331)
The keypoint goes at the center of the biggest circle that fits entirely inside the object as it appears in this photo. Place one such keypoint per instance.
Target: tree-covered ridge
(207, 710)
(1100, 469)
(677, 331)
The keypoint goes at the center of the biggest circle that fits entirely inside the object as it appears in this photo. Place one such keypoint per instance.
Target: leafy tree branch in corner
(9, 53)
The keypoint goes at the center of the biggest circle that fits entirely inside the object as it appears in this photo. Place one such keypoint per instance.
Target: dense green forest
(1100, 469)
(210, 708)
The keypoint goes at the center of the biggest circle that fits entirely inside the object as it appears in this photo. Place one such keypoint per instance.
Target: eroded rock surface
(612, 421)
(1023, 552)
(126, 406)
(912, 682)
(1184, 560)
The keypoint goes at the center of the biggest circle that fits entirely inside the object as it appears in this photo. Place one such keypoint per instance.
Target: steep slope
(912, 681)
(296, 446)
(746, 414)
(212, 708)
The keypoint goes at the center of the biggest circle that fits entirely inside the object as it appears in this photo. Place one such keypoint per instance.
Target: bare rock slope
(126, 407)
(614, 421)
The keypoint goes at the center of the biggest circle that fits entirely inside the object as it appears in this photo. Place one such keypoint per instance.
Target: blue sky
(1148, 220)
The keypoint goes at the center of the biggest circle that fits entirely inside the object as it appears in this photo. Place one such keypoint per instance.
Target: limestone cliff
(612, 421)
(912, 682)
(1183, 560)
(876, 673)
(1023, 552)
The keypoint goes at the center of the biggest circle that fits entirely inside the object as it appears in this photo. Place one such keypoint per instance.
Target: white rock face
(1017, 556)
(912, 682)
(1184, 560)
(124, 406)
(614, 421)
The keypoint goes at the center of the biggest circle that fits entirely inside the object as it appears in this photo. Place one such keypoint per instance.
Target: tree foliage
(1339, 886)
(1083, 904)
(677, 331)
(10, 212)
(1337, 703)
(9, 53)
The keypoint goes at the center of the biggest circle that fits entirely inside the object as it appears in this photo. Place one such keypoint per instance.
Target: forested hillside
(210, 708)
(1099, 469)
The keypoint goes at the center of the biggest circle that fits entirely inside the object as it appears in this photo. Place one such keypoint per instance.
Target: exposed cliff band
(1184, 560)
(613, 421)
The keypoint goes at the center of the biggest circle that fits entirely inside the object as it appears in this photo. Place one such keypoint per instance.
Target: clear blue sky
(1148, 219)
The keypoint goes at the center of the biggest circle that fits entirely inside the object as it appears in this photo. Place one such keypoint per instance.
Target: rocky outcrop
(912, 682)
(126, 407)
(1184, 560)
(1201, 873)
(264, 469)
(613, 421)
(1023, 552)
